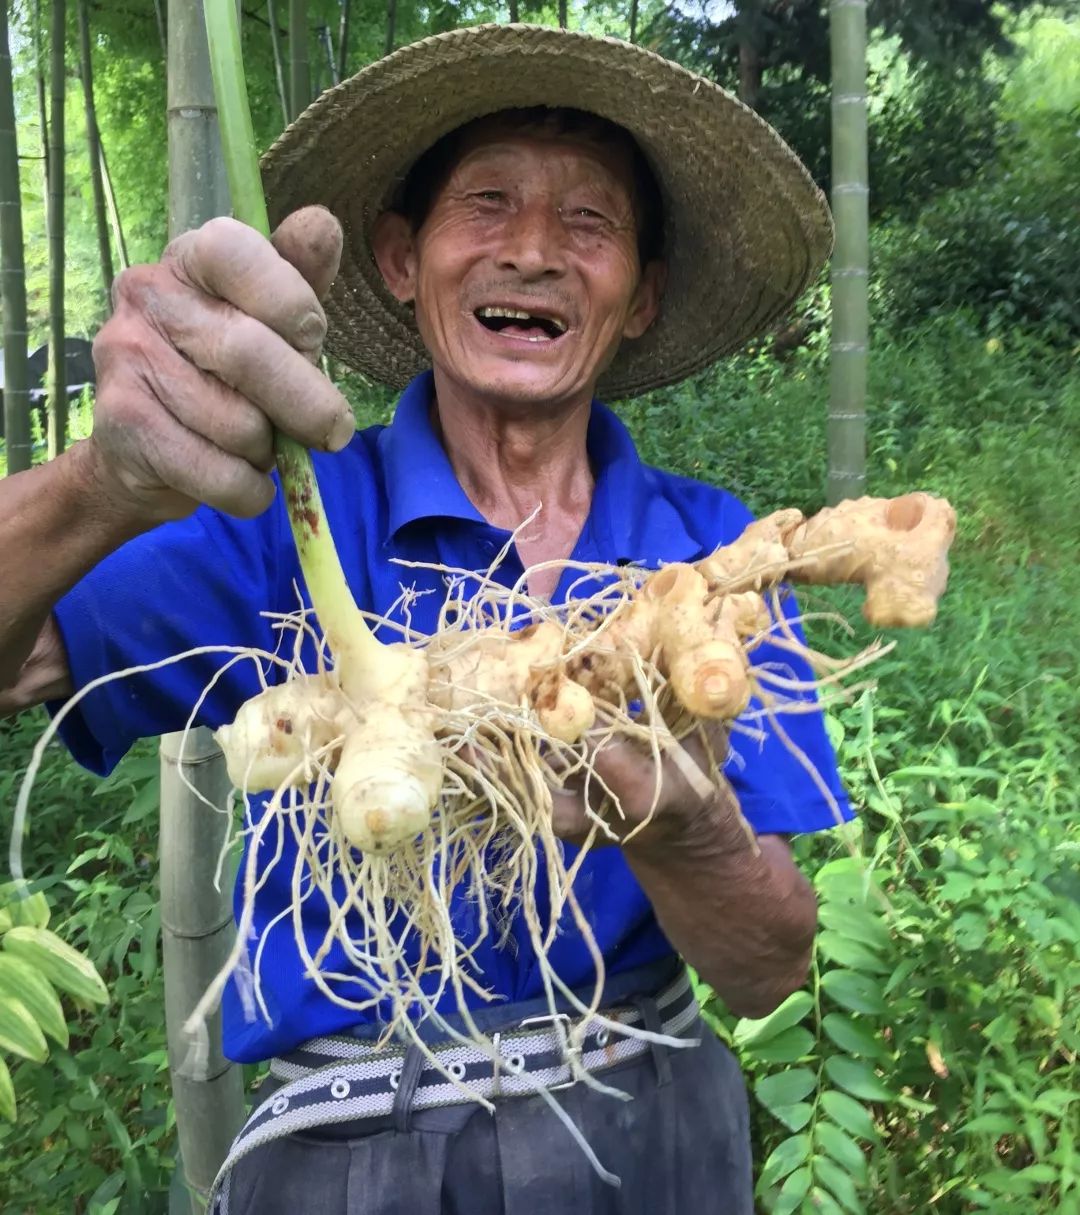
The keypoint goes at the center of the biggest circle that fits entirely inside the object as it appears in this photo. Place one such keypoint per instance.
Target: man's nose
(532, 242)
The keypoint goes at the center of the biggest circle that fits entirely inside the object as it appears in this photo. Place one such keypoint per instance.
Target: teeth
(512, 314)
(508, 313)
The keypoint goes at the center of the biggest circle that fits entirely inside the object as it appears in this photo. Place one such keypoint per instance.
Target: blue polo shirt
(211, 580)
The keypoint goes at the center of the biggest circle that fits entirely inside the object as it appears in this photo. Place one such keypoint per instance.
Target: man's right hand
(208, 352)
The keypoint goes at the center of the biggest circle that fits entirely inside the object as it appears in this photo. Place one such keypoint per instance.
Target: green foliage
(1006, 244)
(95, 1123)
(931, 1063)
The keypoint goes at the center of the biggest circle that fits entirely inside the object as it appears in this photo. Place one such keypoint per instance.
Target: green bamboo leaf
(32, 910)
(846, 952)
(839, 1184)
(857, 923)
(785, 1158)
(853, 1037)
(791, 1195)
(19, 1032)
(842, 1148)
(7, 1093)
(857, 1078)
(791, 1012)
(20, 981)
(855, 992)
(845, 1111)
(63, 966)
(786, 1087)
(789, 1047)
(5, 920)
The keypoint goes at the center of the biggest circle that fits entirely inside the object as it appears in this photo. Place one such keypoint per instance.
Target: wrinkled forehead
(610, 147)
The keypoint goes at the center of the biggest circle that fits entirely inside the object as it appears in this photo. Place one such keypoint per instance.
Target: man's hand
(735, 906)
(207, 353)
(657, 803)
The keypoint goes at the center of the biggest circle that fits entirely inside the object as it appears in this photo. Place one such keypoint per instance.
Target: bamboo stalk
(160, 17)
(343, 40)
(562, 14)
(42, 104)
(93, 142)
(16, 411)
(633, 20)
(197, 925)
(850, 203)
(279, 70)
(515, 15)
(391, 25)
(196, 931)
(58, 405)
(114, 212)
(331, 58)
(299, 67)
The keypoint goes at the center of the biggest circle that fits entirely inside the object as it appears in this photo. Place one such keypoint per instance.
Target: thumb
(311, 240)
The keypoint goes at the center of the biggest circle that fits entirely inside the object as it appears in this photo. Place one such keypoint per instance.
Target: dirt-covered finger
(311, 239)
(261, 366)
(232, 262)
(193, 466)
(207, 406)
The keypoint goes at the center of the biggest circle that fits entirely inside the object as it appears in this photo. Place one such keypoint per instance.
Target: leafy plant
(34, 963)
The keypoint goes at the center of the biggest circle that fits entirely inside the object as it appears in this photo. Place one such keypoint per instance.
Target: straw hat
(746, 228)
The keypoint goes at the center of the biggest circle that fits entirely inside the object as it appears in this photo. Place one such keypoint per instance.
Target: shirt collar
(630, 519)
(420, 481)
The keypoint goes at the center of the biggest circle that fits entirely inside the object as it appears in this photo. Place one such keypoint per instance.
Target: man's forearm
(54, 527)
(745, 922)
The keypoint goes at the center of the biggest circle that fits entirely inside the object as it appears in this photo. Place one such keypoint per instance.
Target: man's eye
(489, 195)
(587, 214)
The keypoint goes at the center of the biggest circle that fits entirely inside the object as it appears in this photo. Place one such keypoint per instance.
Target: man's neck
(511, 462)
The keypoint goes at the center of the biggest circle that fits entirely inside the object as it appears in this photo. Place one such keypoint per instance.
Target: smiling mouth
(514, 322)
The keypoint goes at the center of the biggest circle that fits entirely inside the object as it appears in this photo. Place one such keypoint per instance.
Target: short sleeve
(202, 584)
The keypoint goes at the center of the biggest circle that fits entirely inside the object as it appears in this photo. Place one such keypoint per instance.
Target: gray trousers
(681, 1146)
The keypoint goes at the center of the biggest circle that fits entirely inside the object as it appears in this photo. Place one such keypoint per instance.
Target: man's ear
(394, 248)
(646, 306)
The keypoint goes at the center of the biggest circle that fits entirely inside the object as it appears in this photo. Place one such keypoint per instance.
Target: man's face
(525, 274)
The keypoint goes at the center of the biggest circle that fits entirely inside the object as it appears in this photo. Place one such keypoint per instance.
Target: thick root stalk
(897, 548)
(276, 733)
(388, 778)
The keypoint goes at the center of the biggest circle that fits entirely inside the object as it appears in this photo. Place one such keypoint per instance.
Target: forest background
(931, 1063)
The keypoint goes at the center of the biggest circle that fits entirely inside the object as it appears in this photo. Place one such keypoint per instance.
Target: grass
(963, 764)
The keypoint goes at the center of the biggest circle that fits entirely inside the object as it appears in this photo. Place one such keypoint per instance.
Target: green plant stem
(343, 626)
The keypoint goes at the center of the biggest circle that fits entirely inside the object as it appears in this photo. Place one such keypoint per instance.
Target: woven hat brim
(746, 228)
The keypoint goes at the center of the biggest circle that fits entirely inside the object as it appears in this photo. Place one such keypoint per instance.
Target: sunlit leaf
(857, 1078)
(785, 1158)
(845, 1111)
(63, 966)
(786, 1087)
(19, 1032)
(853, 1037)
(856, 992)
(791, 1012)
(841, 1147)
(7, 1093)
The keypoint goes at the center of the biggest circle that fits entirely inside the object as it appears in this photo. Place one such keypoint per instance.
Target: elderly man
(520, 216)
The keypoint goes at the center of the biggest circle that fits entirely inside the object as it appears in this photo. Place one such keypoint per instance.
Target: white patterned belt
(339, 1078)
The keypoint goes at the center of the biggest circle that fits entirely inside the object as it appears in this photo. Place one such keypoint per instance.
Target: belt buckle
(554, 1018)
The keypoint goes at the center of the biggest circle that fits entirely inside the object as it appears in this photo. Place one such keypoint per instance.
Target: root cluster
(407, 772)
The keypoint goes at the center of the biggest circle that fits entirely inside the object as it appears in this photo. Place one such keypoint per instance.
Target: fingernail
(311, 331)
(342, 432)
